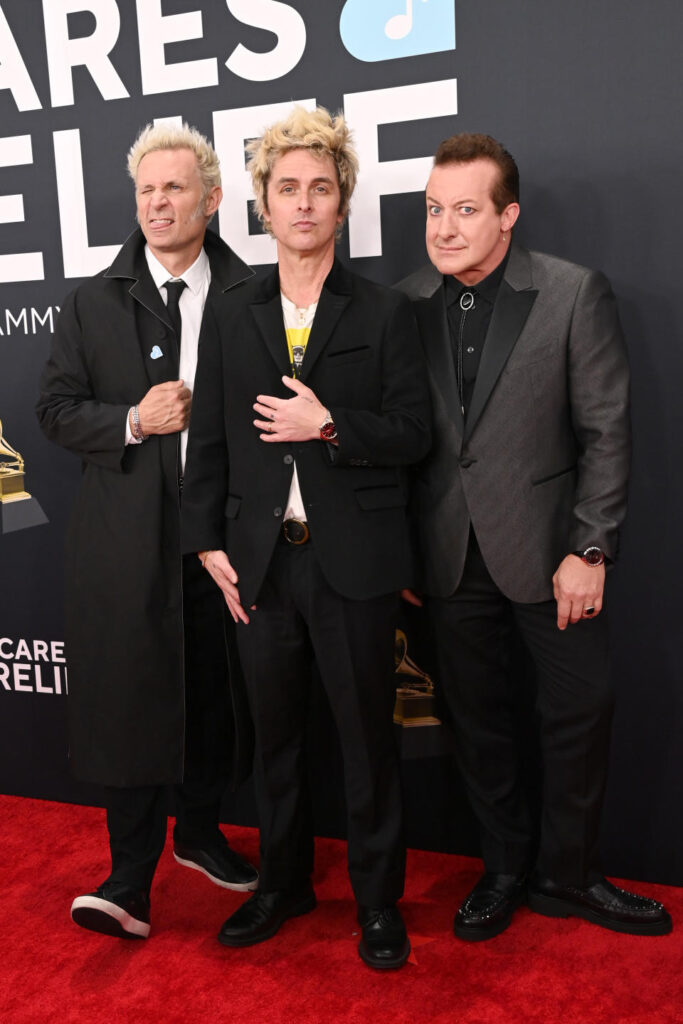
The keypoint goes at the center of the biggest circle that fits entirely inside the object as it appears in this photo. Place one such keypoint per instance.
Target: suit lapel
(513, 305)
(435, 333)
(330, 308)
(268, 316)
(160, 345)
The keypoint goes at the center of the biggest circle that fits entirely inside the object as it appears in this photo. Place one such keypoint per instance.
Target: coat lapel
(267, 312)
(434, 331)
(513, 305)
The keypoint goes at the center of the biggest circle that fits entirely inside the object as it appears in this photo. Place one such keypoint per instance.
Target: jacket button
(288, 460)
(277, 512)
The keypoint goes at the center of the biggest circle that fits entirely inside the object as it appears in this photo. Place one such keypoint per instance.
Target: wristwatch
(328, 431)
(593, 556)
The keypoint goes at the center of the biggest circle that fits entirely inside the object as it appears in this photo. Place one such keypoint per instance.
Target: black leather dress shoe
(113, 909)
(219, 863)
(262, 915)
(488, 909)
(603, 904)
(384, 944)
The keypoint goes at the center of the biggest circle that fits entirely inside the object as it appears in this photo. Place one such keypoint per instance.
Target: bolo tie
(466, 303)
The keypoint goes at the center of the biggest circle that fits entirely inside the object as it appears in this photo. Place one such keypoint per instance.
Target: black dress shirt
(474, 324)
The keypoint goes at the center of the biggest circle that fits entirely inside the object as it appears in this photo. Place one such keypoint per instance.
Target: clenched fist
(165, 408)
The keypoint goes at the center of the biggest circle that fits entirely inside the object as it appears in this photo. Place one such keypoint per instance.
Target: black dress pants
(472, 633)
(137, 816)
(299, 617)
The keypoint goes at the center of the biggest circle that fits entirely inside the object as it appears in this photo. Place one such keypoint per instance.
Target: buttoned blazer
(364, 362)
(540, 466)
(124, 613)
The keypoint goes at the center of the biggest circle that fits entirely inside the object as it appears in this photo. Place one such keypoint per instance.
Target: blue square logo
(388, 29)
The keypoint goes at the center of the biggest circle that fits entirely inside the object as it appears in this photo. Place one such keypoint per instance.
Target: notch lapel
(513, 304)
(436, 337)
(269, 320)
(330, 308)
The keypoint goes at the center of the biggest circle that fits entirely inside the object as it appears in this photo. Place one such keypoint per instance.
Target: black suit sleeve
(400, 433)
(68, 410)
(599, 401)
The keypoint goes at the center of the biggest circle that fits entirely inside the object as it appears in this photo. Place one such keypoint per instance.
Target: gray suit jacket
(540, 466)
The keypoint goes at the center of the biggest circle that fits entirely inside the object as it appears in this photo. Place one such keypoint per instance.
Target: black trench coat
(124, 622)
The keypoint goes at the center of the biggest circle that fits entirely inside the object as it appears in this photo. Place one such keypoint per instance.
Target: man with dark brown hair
(518, 508)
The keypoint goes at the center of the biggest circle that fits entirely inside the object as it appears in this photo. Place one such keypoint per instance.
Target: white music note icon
(401, 25)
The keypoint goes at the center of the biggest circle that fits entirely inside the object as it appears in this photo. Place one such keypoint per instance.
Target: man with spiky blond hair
(150, 702)
(312, 400)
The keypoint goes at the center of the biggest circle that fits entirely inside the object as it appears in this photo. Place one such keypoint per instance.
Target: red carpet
(539, 970)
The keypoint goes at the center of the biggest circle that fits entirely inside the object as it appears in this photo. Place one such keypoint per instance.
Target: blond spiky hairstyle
(316, 130)
(170, 136)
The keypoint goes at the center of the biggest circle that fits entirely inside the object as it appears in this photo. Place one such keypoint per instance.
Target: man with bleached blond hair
(311, 401)
(150, 702)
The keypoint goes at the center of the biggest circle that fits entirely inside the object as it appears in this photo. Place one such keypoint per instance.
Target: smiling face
(171, 209)
(466, 236)
(302, 202)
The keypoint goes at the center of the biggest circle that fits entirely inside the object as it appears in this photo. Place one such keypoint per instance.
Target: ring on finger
(589, 611)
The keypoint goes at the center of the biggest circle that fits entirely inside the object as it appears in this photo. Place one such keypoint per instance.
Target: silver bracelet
(135, 426)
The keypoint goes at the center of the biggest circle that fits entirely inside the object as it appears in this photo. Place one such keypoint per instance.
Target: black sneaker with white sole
(113, 909)
(219, 862)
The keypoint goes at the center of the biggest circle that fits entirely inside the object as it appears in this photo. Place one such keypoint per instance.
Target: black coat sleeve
(68, 409)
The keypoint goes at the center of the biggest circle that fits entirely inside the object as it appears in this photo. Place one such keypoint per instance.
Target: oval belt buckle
(296, 531)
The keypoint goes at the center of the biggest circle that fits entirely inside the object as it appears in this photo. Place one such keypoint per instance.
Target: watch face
(593, 556)
(328, 431)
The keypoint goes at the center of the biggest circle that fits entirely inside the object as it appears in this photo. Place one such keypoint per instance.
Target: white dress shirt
(192, 300)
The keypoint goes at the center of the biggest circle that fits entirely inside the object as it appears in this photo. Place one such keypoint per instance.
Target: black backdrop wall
(585, 95)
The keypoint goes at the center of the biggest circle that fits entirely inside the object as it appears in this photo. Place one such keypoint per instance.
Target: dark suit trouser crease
(472, 632)
(137, 816)
(298, 618)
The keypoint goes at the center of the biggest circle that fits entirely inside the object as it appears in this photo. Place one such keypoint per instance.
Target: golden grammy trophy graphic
(414, 691)
(18, 509)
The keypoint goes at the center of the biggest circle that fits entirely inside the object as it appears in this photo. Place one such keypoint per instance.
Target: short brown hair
(469, 146)
(316, 130)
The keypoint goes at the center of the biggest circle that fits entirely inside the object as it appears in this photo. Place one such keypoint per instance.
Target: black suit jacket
(540, 466)
(364, 363)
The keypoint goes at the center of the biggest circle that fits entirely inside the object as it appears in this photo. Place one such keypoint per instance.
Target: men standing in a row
(149, 701)
(310, 401)
(518, 508)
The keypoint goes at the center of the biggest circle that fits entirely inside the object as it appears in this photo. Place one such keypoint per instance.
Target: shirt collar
(487, 288)
(195, 277)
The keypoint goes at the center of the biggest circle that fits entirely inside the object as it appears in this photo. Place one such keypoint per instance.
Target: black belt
(296, 531)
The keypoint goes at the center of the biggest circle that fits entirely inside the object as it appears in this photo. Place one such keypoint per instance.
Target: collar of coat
(423, 283)
(339, 281)
(227, 269)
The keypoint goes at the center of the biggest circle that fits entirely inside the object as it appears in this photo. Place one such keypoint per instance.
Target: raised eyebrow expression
(460, 204)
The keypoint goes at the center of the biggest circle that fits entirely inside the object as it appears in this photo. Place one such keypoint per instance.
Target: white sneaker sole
(235, 886)
(100, 915)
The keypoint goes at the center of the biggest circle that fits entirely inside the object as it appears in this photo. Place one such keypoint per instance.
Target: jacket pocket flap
(390, 496)
(232, 506)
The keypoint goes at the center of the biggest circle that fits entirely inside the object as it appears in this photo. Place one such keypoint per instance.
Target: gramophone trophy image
(415, 690)
(18, 509)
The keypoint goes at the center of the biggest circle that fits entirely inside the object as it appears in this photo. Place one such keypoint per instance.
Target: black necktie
(174, 290)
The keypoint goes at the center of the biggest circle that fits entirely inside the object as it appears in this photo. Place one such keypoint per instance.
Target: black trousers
(136, 816)
(472, 632)
(298, 618)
